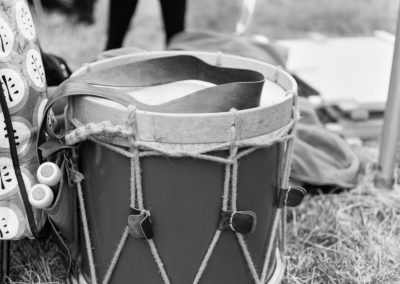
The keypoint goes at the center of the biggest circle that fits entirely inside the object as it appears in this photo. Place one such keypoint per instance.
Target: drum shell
(184, 196)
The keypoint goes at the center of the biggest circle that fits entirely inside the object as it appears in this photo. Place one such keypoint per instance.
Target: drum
(184, 197)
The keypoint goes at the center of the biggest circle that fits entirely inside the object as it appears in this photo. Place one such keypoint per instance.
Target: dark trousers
(85, 9)
(121, 12)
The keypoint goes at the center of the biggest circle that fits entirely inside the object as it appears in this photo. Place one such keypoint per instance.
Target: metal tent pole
(391, 128)
(246, 15)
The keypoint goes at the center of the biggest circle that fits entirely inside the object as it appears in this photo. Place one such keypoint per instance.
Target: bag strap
(15, 161)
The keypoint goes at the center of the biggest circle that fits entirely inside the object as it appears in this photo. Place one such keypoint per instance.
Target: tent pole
(391, 128)
(243, 22)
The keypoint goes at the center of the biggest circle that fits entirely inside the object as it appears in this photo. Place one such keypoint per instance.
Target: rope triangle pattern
(141, 149)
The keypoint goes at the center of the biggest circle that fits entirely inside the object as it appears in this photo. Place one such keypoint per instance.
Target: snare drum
(212, 184)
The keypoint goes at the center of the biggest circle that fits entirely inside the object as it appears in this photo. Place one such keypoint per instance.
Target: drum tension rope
(241, 222)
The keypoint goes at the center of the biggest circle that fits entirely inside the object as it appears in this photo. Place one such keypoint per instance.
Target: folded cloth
(321, 158)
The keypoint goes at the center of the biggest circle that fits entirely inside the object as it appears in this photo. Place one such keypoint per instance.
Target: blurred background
(276, 19)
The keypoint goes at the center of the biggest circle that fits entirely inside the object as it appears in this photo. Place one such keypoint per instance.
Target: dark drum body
(184, 197)
(197, 176)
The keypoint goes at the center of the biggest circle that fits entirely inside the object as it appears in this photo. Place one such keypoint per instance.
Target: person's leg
(120, 14)
(85, 10)
(173, 12)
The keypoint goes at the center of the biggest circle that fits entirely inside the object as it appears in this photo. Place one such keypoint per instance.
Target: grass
(345, 238)
(351, 237)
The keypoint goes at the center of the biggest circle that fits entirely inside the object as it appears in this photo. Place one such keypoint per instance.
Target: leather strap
(236, 88)
(163, 70)
(73, 90)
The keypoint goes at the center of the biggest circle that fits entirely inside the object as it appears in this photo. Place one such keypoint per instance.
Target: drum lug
(292, 196)
(243, 222)
(139, 224)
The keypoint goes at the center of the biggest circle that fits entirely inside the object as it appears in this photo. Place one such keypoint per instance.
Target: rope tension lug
(139, 224)
(291, 197)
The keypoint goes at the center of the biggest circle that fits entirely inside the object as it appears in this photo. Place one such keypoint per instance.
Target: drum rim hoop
(220, 56)
(280, 114)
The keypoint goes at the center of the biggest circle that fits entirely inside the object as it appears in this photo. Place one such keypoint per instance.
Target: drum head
(274, 112)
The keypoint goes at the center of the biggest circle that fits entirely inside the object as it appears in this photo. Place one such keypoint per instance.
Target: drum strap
(236, 88)
(49, 122)
(164, 70)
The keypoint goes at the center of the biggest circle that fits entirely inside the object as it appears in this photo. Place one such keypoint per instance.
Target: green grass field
(344, 238)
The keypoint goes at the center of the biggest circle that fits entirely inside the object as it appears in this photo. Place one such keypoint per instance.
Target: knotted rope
(139, 149)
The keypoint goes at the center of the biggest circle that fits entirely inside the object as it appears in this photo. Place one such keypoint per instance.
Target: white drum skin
(41, 196)
(49, 174)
